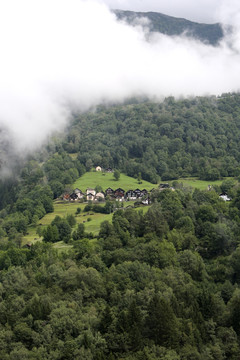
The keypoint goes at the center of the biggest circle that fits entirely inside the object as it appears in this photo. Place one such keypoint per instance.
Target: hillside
(208, 33)
(159, 282)
(105, 180)
(175, 138)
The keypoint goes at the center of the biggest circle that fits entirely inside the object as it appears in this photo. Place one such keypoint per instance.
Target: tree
(79, 233)
(116, 175)
(98, 188)
(64, 230)
(51, 234)
(139, 178)
(78, 211)
(71, 220)
(161, 323)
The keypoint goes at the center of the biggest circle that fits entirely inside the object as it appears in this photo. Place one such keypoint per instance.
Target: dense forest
(161, 284)
(172, 139)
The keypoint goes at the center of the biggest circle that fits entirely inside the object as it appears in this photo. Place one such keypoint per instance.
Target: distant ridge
(169, 25)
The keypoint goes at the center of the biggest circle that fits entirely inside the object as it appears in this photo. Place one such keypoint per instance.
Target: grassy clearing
(64, 209)
(201, 184)
(61, 246)
(106, 180)
(92, 179)
(96, 220)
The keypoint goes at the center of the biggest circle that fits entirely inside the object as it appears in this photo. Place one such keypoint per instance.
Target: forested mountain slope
(196, 137)
(208, 33)
(161, 284)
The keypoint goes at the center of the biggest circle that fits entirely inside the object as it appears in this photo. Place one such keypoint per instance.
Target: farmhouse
(146, 201)
(164, 186)
(90, 194)
(131, 195)
(79, 193)
(119, 192)
(109, 192)
(100, 196)
(73, 197)
(224, 197)
(66, 197)
(109, 170)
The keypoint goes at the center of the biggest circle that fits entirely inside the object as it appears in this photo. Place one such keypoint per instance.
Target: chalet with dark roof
(131, 195)
(109, 192)
(164, 186)
(119, 193)
(73, 197)
(138, 193)
(109, 170)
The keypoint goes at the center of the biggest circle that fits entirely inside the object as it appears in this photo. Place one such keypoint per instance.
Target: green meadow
(201, 184)
(106, 180)
(93, 220)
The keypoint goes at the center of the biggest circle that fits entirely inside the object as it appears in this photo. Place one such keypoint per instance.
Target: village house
(109, 192)
(119, 194)
(73, 197)
(136, 194)
(164, 186)
(79, 193)
(131, 195)
(66, 197)
(90, 194)
(144, 192)
(224, 197)
(109, 170)
(100, 196)
(146, 201)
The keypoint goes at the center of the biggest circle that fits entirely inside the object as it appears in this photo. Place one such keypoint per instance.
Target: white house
(224, 197)
(79, 193)
(100, 195)
(90, 194)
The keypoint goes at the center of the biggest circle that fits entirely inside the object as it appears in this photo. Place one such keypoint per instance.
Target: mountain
(207, 33)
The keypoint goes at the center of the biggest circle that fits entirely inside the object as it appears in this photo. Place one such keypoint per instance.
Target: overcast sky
(57, 55)
(195, 10)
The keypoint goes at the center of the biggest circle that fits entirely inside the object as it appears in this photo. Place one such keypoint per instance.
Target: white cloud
(200, 11)
(63, 53)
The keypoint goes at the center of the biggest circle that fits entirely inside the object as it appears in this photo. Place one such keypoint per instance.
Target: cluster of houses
(118, 194)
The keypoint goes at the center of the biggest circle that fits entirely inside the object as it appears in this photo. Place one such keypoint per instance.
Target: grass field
(106, 180)
(62, 247)
(200, 184)
(65, 208)
(92, 179)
